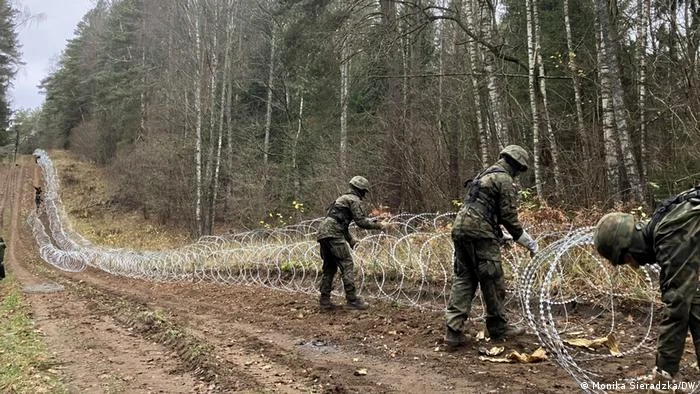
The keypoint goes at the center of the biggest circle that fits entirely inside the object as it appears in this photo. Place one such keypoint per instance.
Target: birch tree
(532, 89)
(554, 149)
(608, 41)
(575, 81)
(474, 55)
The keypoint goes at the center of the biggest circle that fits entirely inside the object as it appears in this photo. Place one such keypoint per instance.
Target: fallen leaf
(494, 351)
(361, 372)
(592, 344)
(496, 359)
(538, 355)
(612, 346)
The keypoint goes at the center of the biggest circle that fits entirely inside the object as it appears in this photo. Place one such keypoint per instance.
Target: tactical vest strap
(669, 204)
(342, 215)
(477, 200)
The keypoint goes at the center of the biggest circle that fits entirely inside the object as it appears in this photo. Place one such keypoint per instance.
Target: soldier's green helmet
(614, 236)
(518, 154)
(360, 182)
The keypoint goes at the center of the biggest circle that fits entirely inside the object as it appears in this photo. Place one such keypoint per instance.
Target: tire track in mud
(279, 351)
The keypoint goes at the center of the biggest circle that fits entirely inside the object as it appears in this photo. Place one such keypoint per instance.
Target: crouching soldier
(671, 239)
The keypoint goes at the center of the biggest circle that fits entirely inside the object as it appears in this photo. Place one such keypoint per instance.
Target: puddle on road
(318, 345)
(43, 288)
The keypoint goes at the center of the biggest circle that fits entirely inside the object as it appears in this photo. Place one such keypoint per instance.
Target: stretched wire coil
(411, 265)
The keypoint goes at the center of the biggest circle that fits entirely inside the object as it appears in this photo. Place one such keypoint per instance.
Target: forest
(258, 112)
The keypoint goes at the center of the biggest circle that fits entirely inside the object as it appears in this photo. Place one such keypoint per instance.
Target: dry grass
(86, 201)
(25, 365)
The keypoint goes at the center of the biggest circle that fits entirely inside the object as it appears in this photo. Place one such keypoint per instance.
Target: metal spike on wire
(409, 266)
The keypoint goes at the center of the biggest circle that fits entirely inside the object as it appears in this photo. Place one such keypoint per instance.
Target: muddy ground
(116, 335)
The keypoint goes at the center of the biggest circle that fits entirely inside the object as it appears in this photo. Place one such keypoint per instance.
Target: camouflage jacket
(491, 202)
(672, 237)
(344, 210)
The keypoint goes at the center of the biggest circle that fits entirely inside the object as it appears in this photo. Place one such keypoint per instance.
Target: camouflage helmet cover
(517, 153)
(360, 182)
(613, 236)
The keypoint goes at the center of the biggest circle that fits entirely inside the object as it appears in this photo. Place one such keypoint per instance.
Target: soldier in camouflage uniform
(672, 239)
(476, 234)
(335, 241)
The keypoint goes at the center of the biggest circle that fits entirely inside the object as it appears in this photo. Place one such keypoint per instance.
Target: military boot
(357, 304)
(326, 304)
(660, 381)
(454, 339)
(509, 332)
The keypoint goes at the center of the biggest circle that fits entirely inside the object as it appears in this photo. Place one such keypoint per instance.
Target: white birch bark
(270, 80)
(531, 59)
(198, 116)
(643, 9)
(619, 108)
(487, 24)
(473, 61)
(295, 166)
(575, 82)
(220, 131)
(554, 149)
(344, 79)
(612, 161)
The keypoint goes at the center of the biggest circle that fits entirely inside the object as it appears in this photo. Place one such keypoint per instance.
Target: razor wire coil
(411, 266)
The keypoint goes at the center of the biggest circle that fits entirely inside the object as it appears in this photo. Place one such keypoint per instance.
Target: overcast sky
(42, 41)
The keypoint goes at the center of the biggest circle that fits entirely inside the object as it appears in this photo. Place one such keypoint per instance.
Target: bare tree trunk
(270, 80)
(344, 79)
(612, 161)
(295, 166)
(473, 59)
(220, 132)
(609, 37)
(577, 86)
(198, 115)
(531, 60)
(487, 22)
(543, 92)
(643, 9)
(142, 95)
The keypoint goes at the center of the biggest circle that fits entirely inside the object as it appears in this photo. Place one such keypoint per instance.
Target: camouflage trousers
(335, 253)
(681, 297)
(477, 263)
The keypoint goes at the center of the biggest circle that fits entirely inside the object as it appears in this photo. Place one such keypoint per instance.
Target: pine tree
(9, 58)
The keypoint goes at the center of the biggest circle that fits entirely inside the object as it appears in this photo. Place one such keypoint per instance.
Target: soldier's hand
(533, 247)
(527, 241)
(386, 226)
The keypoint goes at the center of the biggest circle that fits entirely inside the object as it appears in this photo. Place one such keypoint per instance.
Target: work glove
(527, 241)
(386, 226)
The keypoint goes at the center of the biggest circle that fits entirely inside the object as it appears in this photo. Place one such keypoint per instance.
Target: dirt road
(112, 334)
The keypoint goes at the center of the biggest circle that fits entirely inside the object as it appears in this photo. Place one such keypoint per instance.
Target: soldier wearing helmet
(476, 233)
(671, 239)
(335, 241)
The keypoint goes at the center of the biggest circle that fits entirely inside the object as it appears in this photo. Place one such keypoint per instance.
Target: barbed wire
(564, 292)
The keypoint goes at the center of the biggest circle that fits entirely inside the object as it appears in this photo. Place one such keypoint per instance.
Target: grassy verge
(25, 365)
